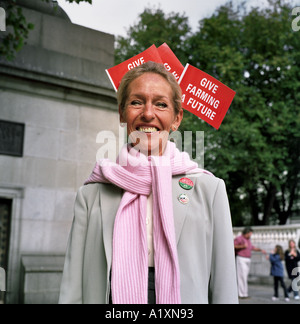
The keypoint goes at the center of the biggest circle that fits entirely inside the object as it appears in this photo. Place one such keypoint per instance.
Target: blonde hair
(149, 67)
(292, 241)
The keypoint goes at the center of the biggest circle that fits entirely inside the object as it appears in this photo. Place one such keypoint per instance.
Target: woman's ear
(121, 114)
(177, 121)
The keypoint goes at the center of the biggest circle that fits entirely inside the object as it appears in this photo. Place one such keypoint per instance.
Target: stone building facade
(55, 98)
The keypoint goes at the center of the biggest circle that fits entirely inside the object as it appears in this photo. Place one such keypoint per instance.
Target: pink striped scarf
(139, 176)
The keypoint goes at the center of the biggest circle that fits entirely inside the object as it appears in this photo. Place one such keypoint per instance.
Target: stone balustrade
(267, 237)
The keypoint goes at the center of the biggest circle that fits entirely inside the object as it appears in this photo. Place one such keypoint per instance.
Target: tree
(154, 27)
(256, 53)
(14, 40)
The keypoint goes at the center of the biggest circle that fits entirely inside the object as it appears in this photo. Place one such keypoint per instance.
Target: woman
(292, 257)
(153, 227)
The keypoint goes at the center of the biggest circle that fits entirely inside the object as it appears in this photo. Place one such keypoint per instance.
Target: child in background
(277, 271)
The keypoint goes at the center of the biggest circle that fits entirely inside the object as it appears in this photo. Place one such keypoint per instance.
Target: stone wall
(57, 87)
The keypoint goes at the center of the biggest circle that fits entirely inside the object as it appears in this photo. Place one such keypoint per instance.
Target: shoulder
(274, 257)
(212, 188)
(91, 192)
(239, 238)
(205, 181)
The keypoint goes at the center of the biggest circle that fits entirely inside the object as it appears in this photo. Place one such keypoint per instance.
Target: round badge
(184, 199)
(186, 183)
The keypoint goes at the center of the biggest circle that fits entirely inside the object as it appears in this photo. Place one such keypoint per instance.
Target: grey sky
(114, 16)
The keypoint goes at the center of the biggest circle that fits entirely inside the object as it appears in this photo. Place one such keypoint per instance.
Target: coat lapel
(180, 210)
(110, 199)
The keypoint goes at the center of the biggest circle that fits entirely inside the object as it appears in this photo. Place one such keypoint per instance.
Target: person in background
(244, 248)
(292, 257)
(277, 271)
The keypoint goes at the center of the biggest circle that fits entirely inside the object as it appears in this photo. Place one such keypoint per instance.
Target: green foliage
(154, 27)
(256, 53)
(13, 40)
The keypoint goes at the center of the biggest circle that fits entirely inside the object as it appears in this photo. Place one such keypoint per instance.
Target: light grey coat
(204, 239)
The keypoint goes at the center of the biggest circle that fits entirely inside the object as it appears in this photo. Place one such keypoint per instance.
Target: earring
(174, 128)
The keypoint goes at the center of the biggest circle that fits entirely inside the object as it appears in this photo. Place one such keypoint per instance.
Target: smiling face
(149, 113)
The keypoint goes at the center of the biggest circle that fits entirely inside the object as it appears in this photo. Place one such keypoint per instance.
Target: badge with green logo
(186, 184)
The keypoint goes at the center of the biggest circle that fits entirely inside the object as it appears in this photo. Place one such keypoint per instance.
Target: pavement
(262, 294)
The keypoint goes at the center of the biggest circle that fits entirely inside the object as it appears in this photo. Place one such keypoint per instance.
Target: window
(5, 217)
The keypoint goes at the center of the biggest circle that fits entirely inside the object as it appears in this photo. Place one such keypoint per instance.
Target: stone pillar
(58, 90)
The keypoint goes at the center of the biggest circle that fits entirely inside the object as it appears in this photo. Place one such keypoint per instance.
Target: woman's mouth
(147, 129)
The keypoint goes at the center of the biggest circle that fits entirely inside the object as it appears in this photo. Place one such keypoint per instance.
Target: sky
(115, 16)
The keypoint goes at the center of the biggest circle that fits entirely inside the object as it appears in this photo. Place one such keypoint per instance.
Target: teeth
(147, 129)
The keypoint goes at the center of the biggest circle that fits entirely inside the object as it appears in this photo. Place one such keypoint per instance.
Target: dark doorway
(5, 218)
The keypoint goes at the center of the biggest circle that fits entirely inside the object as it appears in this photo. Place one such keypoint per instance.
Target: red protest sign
(171, 62)
(204, 96)
(117, 72)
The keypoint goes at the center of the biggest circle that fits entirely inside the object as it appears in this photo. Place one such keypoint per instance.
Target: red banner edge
(111, 80)
(183, 73)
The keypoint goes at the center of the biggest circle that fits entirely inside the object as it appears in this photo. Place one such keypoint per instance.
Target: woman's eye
(136, 103)
(162, 105)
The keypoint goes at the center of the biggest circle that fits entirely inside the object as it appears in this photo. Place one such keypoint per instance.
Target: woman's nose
(148, 112)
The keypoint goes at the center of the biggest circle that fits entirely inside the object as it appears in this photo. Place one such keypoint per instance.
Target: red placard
(204, 96)
(171, 62)
(117, 72)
